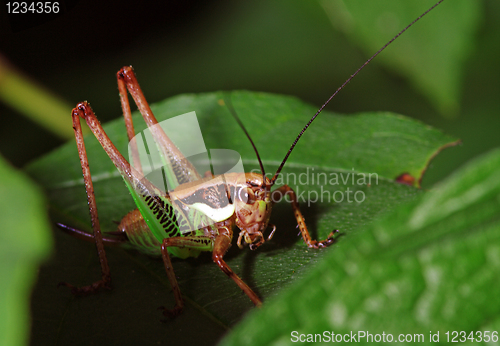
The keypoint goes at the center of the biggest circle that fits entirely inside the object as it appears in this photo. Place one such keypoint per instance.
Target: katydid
(199, 214)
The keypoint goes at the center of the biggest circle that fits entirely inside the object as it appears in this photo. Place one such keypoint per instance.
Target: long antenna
(227, 101)
(343, 86)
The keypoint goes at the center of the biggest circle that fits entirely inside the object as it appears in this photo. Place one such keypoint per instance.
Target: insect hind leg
(105, 281)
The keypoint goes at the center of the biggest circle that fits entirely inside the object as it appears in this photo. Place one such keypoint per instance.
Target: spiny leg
(201, 243)
(179, 302)
(315, 244)
(127, 115)
(220, 247)
(126, 78)
(131, 176)
(222, 244)
(89, 187)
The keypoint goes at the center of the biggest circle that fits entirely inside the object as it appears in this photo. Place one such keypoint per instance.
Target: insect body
(199, 214)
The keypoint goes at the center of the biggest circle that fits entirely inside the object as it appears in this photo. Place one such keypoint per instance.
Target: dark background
(287, 47)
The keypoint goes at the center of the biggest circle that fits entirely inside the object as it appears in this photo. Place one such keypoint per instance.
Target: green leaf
(430, 57)
(430, 265)
(24, 242)
(377, 146)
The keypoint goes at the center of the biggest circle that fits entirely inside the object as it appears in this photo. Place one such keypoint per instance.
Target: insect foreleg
(106, 276)
(278, 194)
(222, 244)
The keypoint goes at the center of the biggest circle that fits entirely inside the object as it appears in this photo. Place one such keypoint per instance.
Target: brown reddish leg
(315, 244)
(220, 246)
(179, 302)
(83, 110)
(129, 124)
(133, 177)
(202, 243)
(106, 276)
(128, 81)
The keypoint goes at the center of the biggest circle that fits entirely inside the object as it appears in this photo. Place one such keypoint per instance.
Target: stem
(35, 102)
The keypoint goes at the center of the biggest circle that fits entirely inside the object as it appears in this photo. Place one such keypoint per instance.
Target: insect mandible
(200, 213)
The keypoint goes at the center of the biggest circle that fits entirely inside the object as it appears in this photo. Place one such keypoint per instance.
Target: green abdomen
(142, 239)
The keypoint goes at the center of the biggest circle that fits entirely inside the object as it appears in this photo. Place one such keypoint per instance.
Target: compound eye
(246, 195)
